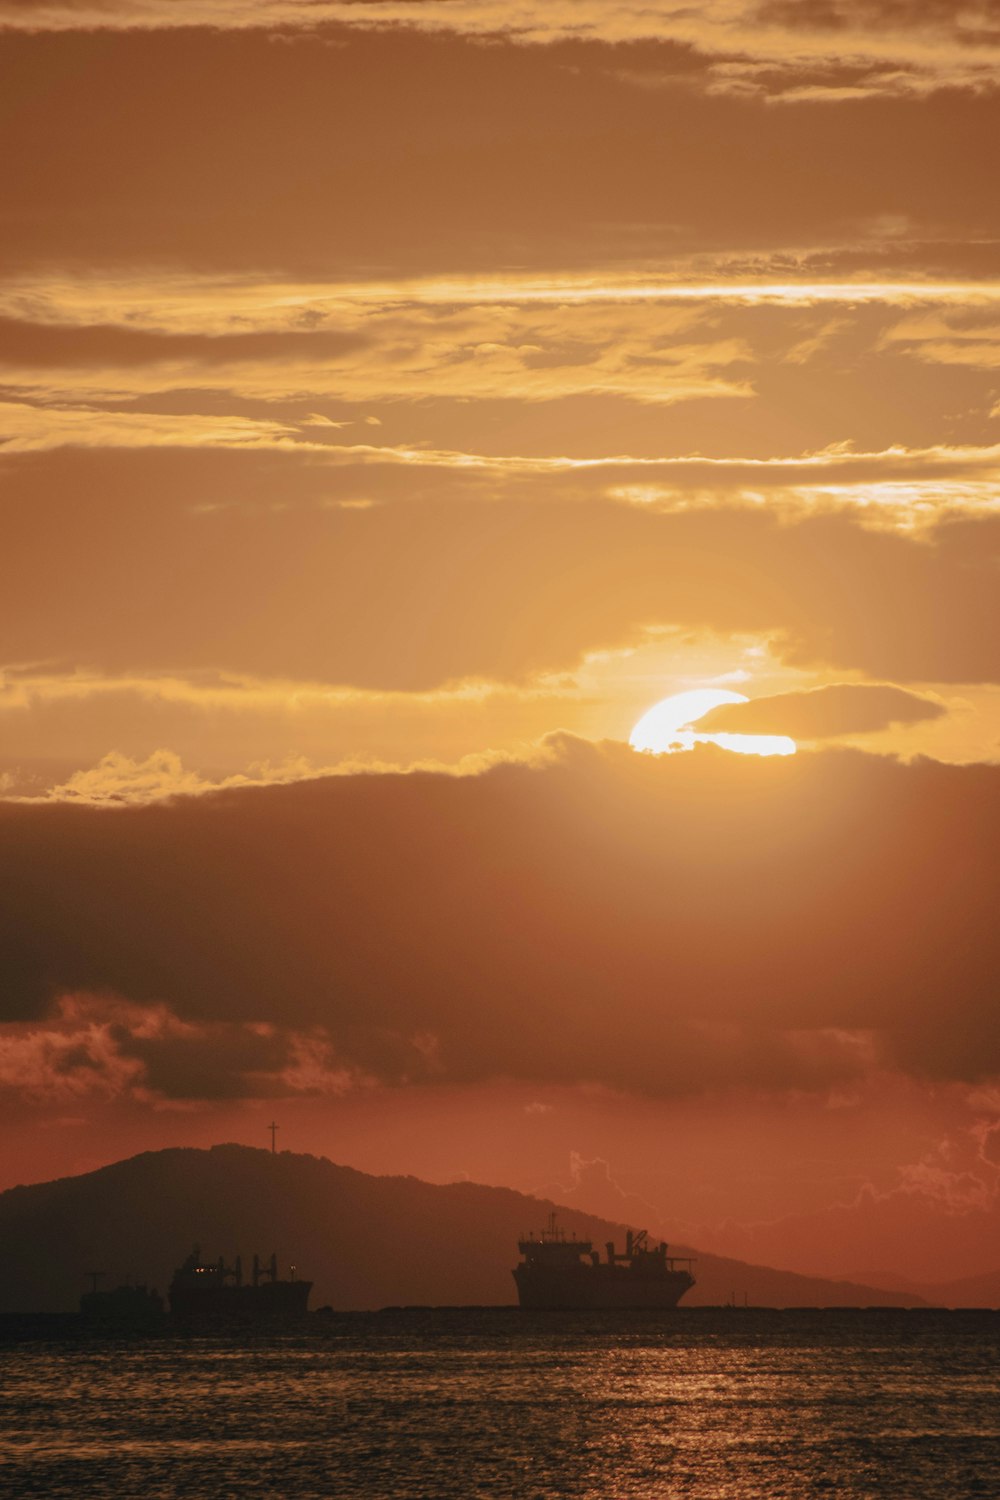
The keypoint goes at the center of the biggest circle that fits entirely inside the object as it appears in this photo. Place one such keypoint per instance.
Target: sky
(397, 401)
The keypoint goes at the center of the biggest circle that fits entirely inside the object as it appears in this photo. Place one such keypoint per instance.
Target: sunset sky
(398, 399)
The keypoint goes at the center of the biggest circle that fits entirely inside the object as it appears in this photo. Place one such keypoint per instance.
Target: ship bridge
(552, 1248)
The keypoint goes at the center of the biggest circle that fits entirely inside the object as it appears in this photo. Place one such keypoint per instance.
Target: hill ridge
(364, 1240)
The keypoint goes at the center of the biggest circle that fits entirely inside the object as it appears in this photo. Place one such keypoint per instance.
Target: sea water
(493, 1402)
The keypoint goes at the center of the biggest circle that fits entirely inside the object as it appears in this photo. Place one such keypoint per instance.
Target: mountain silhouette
(364, 1241)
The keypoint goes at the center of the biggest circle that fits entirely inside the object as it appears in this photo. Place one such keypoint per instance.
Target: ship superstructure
(212, 1292)
(561, 1272)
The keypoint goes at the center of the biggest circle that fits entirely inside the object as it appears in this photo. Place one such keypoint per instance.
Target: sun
(667, 726)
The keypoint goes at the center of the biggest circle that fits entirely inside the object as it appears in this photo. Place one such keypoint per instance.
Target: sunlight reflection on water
(700, 1402)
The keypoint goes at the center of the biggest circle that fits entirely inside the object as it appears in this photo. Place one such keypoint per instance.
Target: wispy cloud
(28, 428)
(202, 361)
(897, 487)
(223, 305)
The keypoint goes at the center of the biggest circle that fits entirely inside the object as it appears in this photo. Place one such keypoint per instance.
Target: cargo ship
(210, 1292)
(569, 1274)
(121, 1308)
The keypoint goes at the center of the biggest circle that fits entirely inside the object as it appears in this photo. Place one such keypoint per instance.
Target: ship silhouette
(560, 1273)
(210, 1292)
(124, 1308)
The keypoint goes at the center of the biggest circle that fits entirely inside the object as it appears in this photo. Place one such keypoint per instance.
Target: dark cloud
(99, 1046)
(290, 157)
(667, 925)
(821, 713)
(208, 1062)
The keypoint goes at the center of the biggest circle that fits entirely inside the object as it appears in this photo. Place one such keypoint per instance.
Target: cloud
(610, 918)
(213, 572)
(923, 43)
(102, 1047)
(823, 713)
(881, 422)
(898, 487)
(26, 428)
(183, 366)
(591, 1186)
(396, 342)
(956, 336)
(195, 311)
(57, 725)
(450, 201)
(46, 345)
(974, 22)
(119, 779)
(57, 1064)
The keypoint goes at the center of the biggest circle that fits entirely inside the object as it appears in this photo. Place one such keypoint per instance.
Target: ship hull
(597, 1288)
(273, 1302)
(123, 1308)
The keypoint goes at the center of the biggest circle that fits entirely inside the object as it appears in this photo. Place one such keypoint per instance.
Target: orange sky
(396, 401)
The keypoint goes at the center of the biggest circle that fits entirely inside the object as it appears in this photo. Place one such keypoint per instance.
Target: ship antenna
(94, 1277)
(274, 1131)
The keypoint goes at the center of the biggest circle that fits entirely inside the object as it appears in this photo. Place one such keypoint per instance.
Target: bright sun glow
(667, 726)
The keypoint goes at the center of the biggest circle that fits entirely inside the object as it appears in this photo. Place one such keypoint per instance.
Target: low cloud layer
(661, 926)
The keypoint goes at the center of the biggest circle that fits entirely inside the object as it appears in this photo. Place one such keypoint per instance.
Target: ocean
(705, 1402)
